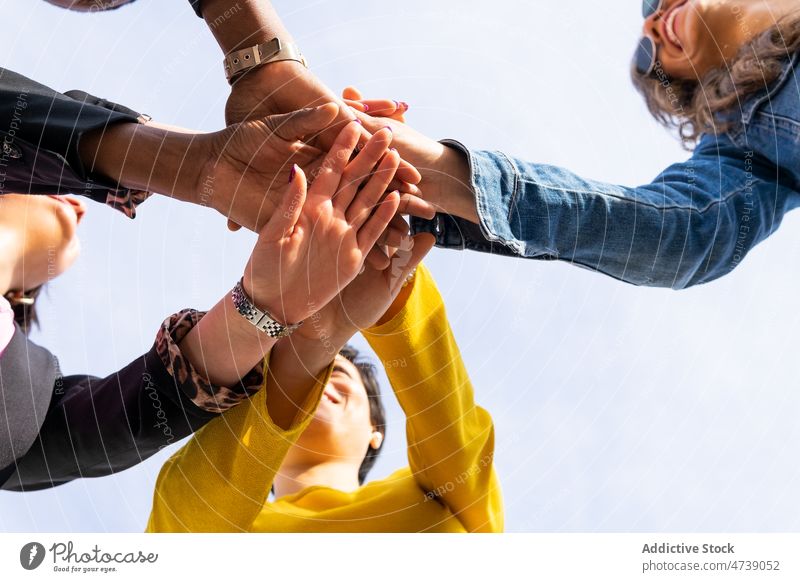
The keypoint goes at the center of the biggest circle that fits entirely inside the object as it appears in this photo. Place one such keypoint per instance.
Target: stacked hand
(317, 240)
(283, 87)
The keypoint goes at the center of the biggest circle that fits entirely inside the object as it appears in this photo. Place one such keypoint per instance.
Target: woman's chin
(64, 258)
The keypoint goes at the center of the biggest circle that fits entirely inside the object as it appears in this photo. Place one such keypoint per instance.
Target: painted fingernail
(359, 121)
(392, 149)
(389, 128)
(292, 173)
(405, 105)
(366, 107)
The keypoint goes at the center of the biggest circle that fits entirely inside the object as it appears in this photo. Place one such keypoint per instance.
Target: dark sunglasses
(644, 60)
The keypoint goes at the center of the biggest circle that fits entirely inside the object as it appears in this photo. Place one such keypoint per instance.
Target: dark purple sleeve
(100, 426)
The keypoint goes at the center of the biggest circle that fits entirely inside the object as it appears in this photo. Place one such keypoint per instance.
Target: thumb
(298, 124)
(285, 217)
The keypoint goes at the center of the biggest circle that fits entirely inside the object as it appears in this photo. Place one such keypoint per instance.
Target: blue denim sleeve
(694, 223)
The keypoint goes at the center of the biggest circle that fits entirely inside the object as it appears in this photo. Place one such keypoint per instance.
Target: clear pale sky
(616, 408)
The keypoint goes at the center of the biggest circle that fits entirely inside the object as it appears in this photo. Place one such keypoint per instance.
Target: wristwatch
(261, 319)
(238, 62)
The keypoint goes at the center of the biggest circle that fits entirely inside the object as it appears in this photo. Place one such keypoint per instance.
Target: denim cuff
(494, 179)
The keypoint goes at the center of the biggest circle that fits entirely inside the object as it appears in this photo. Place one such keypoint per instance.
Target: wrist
(451, 184)
(272, 303)
(223, 347)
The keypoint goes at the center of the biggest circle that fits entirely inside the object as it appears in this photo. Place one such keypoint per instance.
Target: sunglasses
(644, 60)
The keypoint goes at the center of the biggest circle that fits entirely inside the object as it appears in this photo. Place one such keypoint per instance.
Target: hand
(445, 171)
(282, 87)
(315, 244)
(247, 160)
(364, 301)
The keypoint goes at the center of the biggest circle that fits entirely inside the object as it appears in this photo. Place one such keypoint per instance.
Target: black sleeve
(99, 426)
(196, 6)
(40, 130)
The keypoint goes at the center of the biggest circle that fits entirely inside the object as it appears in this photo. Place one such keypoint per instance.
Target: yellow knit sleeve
(220, 480)
(450, 439)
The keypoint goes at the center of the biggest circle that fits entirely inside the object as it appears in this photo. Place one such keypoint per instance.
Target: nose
(650, 27)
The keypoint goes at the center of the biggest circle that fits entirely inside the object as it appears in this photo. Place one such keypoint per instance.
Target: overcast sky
(616, 408)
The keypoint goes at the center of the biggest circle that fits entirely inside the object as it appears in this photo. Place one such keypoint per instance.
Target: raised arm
(220, 480)
(450, 438)
(692, 224)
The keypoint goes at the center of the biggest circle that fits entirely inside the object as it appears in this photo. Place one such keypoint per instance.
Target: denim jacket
(694, 223)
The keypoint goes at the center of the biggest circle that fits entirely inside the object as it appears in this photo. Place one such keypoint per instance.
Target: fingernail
(359, 121)
(405, 105)
(389, 128)
(366, 107)
(392, 149)
(397, 105)
(292, 173)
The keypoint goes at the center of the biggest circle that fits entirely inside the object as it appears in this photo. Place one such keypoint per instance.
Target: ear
(376, 440)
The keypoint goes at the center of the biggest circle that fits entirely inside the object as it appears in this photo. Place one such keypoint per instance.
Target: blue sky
(616, 408)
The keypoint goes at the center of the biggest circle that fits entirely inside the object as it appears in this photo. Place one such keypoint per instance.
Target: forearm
(112, 423)
(691, 225)
(238, 24)
(450, 439)
(148, 157)
(223, 346)
(297, 363)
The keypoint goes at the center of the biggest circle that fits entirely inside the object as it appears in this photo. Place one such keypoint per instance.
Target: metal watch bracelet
(262, 320)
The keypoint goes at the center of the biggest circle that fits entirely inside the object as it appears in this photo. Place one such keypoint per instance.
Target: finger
(357, 105)
(416, 206)
(383, 107)
(365, 200)
(303, 122)
(377, 223)
(360, 169)
(329, 175)
(404, 187)
(377, 259)
(233, 226)
(406, 260)
(285, 217)
(351, 92)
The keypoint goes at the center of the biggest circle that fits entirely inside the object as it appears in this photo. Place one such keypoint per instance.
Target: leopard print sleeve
(126, 201)
(201, 392)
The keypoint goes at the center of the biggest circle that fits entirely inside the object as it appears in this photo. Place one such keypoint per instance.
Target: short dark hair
(377, 414)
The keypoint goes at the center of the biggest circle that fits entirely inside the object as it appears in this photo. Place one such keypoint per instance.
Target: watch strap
(238, 62)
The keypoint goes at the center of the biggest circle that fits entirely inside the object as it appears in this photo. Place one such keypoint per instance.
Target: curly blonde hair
(693, 107)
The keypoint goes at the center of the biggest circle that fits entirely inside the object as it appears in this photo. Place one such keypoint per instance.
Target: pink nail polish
(366, 107)
(292, 173)
(389, 128)
(359, 121)
(405, 105)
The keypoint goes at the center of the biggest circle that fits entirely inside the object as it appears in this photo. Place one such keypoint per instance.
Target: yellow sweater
(220, 480)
